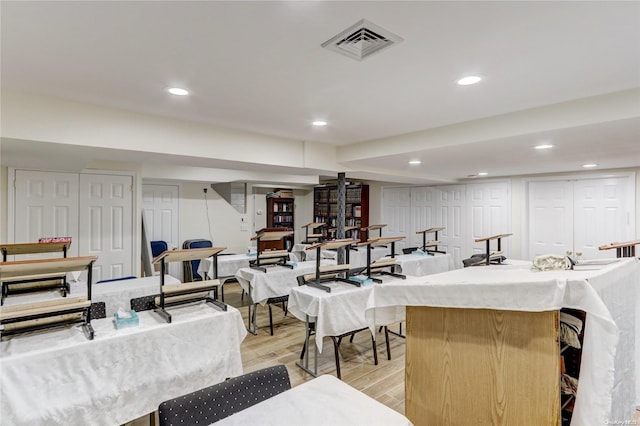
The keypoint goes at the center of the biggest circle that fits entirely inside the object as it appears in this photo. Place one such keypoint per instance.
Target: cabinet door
(46, 205)
(106, 224)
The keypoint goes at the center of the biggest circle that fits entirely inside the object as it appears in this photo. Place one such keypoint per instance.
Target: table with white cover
(115, 294)
(607, 293)
(228, 265)
(323, 401)
(59, 377)
(277, 281)
(418, 265)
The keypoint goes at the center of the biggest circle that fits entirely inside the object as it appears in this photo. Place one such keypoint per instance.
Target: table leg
(307, 342)
(251, 318)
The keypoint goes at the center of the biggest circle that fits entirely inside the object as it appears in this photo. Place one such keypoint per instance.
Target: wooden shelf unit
(325, 207)
(280, 216)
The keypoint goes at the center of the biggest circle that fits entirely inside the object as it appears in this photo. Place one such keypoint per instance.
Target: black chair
(409, 250)
(144, 303)
(216, 402)
(274, 300)
(98, 310)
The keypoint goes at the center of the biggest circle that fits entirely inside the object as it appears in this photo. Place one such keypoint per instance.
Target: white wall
(225, 222)
(3, 204)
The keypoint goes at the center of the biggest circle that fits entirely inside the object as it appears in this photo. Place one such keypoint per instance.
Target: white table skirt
(278, 281)
(228, 265)
(606, 388)
(60, 378)
(420, 265)
(342, 310)
(115, 294)
(324, 401)
(311, 254)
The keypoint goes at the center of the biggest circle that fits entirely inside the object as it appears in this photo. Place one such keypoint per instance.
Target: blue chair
(191, 267)
(158, 247)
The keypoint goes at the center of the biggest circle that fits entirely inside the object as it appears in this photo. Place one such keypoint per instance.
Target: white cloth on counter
(59, 377)
(228, 265)
(323, 401)
(608, 294)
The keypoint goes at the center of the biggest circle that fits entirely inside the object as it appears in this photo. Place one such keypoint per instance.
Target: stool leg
(375, 350)
(270, 319)
(335, 349)
(386, 337)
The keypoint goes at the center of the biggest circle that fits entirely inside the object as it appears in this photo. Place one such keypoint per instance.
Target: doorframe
(631, 196)
(135, 204)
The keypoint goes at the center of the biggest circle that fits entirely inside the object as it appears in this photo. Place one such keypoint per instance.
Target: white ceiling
(259, 66)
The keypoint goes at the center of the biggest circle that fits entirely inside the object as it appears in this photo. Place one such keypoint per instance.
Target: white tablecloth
(278, 281)
(420, 265)
(115, 294)
(606, 390)
(228, 265)
(60, 378)
(342, 310)
(358, 257)
(324, 401)
(311, 254)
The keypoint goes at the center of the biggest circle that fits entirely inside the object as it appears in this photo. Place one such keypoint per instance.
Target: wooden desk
(496, 329)
(324, 401)
(60, 378)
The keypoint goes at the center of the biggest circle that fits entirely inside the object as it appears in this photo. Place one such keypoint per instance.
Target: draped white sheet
(278, 281)
(323, 401)
(609, 295)
(60, 378)
(420, 265)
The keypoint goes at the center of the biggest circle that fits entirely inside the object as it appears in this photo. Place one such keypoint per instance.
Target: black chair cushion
(216, 402)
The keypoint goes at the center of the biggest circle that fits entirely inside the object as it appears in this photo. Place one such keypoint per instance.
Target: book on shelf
(357, 211)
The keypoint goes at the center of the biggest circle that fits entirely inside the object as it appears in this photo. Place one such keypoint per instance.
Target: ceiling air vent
(362, 39)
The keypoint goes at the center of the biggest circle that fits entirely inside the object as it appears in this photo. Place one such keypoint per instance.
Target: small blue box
(362, 279)
(122, 322)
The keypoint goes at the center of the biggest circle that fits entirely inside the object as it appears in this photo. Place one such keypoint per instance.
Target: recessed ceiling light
(589, 166)
(544, 146)
(178, 91)
(471, 79)
(319, 123)
(415, 162)
(482, 173)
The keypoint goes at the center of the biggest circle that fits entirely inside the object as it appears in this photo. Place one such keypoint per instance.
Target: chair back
(158, 247)
(216, 402)
(144, 303)
(98, 310)
(190, 267)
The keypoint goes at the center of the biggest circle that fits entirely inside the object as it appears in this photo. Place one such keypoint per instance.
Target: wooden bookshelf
(325, 207)
(280, 215)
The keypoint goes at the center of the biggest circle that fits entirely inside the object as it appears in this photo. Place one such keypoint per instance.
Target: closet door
(489, 210)
(601, 215)
(396, 213)
(160, 210)
(106, 224)
(45, 204)
(550, 217)
(452, 208)
(423, 213)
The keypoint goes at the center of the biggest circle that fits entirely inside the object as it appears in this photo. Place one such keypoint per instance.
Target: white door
(396, 214)
(601, 216)
(45, 205)
(423, 214)
(550, 217)
(106, 224)
(489, 206)
(160, 206)
(452, 215)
